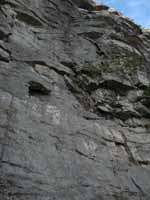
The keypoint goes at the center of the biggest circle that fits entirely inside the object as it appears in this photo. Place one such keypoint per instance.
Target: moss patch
(129, 63)
(28, 19)
(147, 92)
(94, 70)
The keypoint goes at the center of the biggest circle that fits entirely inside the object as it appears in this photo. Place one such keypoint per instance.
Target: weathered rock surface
(74, 103)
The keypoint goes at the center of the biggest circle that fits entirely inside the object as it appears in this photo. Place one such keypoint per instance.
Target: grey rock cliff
(74, 103)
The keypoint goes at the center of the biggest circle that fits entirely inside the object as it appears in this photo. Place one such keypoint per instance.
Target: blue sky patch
(138, 10)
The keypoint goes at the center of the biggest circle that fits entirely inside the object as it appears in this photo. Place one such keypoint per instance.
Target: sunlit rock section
(74, 102)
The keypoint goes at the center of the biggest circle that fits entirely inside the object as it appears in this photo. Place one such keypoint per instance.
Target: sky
(138, 10)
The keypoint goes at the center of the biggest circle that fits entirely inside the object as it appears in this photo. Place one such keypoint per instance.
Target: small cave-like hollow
(37, 89)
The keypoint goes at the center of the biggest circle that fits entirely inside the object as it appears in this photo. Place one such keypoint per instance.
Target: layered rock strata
(74, 103)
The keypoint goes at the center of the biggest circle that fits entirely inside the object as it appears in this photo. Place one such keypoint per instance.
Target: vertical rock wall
(74, 103)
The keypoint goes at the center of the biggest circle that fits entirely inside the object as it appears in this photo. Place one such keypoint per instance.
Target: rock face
(74, 103)
(85, 4)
